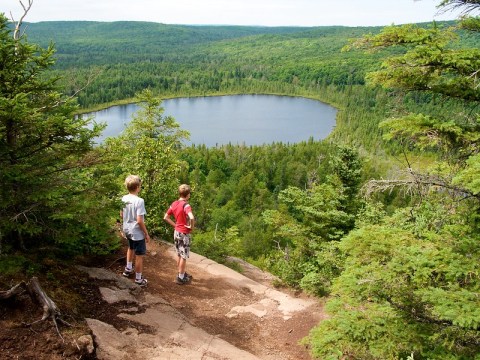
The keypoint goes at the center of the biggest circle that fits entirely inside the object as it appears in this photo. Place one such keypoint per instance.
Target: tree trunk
(38, 295)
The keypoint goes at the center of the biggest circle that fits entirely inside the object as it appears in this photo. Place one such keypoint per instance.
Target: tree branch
(416, 183)
(91, 77)
(18, 289)
(420, 315)
(16, 32)
(467, 5)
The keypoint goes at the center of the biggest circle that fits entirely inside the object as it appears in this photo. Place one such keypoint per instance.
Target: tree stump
(38, 295)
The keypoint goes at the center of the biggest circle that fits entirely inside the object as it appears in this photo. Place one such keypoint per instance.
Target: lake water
(236, 119)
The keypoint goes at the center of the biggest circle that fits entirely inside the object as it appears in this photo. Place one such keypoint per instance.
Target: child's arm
(192, 220)
(142, 226)
(119, 225)
(168, 219)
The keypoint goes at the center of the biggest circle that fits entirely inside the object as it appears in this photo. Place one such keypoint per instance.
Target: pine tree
(410, 286)
(45, 150)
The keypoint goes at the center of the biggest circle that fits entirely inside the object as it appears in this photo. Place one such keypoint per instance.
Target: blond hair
(132, 182)
(184, 190)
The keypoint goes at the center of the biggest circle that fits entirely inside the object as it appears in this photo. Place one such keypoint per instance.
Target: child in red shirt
(184, 224)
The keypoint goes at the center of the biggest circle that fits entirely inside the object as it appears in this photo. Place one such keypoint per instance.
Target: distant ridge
(125, 57)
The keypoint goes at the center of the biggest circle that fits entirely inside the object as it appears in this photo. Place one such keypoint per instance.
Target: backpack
(187, 219)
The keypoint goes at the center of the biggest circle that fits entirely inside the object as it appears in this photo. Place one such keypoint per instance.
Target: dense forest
(381, 218)
(119, 59)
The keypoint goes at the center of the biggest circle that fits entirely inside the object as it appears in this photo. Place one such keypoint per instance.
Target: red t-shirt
(179, 209)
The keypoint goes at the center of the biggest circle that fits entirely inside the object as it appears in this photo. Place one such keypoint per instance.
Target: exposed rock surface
(162, 330)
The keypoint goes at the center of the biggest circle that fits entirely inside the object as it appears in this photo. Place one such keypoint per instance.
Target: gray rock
(116, 295)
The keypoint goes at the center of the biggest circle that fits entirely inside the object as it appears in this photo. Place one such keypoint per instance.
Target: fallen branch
(14, 291)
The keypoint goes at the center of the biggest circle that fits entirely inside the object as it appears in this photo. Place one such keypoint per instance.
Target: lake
(236, 119)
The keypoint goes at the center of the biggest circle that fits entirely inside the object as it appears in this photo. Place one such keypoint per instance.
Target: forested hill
(138, 33)
(141, 33)
(119, 59)
(88, 42)
(146, 40)
(179, 60)
(100, 43)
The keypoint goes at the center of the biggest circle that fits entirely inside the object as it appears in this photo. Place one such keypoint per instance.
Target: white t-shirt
(134, 206)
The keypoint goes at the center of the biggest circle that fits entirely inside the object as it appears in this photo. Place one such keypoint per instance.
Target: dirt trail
(248, 313)
(221, 314)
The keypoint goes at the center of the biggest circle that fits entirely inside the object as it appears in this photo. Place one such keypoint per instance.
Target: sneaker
(188, 276)
(141, 282)
(183, 281)
(128, 272)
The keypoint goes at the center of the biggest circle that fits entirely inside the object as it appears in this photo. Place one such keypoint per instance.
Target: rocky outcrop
(158, 331)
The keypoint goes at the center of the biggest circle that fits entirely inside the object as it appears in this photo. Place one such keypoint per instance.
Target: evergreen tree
(306, 228)
(46, 154)
(149, 147)
(410, 284)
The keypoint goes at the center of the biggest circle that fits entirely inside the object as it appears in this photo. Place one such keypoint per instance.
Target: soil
(205, 302)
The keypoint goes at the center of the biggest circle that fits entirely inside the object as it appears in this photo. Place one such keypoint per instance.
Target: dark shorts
(138, 246)
(182, 244)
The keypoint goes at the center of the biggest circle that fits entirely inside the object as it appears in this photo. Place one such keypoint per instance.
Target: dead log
(38, 295)
(18, 289)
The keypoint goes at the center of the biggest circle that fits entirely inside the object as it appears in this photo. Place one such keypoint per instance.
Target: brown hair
(184, 190)
(132, 182)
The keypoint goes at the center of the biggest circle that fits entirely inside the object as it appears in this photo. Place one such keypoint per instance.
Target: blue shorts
(182, 244)
(138, 246)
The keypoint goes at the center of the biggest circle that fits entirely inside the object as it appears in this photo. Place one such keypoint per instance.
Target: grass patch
(12, 265)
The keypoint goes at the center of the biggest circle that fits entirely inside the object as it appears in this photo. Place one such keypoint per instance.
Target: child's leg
(182, 264)
(140, 251)
(130, 255)
(139, 264)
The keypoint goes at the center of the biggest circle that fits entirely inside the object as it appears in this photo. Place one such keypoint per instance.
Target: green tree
(309, 222)
(411, 280)
(47, 157)
(149, 147)
(305, 227)
(347, 165)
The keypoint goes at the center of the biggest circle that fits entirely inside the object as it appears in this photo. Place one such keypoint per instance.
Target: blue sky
(234, 12)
